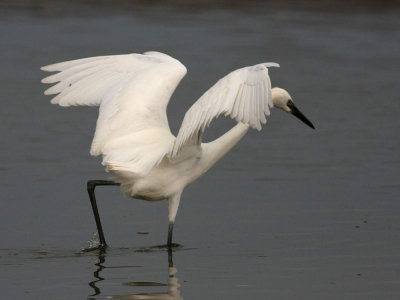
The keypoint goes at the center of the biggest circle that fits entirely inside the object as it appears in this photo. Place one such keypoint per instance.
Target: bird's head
(282, 100)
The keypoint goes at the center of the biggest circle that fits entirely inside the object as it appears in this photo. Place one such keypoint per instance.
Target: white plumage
(244, 94)
(133, 92)
(132, 131)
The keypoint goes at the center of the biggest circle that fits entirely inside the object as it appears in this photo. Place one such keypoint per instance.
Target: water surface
(290, 213)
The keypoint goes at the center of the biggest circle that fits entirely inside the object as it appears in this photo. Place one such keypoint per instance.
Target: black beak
(297, 113)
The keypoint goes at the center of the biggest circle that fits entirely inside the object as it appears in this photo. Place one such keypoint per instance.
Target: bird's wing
(244, 95)
(138, 152)
(133, 91)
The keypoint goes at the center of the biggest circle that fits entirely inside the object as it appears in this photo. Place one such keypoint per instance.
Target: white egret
(132, 132)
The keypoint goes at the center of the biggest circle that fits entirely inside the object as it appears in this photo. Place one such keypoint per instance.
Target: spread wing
(244, 95)
(133, 91)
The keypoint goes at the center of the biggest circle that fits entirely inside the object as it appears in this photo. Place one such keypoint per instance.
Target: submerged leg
(91, 185)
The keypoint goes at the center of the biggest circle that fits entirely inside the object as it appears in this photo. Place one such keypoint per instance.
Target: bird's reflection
(96, 274)
(173, 285)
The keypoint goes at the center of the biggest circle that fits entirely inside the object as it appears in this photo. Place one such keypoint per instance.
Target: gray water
(289, 213)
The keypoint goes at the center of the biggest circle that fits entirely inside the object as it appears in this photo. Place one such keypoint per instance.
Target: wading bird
(132, 132)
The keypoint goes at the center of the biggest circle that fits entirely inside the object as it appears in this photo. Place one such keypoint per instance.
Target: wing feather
(261, 114)
(62, 66)
(133, 91)
(244, 95)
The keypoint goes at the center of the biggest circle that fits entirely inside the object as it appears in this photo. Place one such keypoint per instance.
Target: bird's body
(168, 179)
(132, 132)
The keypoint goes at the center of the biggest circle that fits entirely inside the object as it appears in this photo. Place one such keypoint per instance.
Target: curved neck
(215, 150)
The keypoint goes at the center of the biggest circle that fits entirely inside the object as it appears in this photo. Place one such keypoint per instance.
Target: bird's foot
(100, 248)
(95, 243)
(171, 247)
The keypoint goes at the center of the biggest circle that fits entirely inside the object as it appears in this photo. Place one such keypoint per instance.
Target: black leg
(91, 185)
(170, 229)
(170, 258)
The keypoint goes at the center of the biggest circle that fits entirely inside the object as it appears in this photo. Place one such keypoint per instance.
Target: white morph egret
(132, 132)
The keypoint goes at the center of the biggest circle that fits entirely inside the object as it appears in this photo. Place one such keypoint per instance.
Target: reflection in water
(171, 294)
(96, 273)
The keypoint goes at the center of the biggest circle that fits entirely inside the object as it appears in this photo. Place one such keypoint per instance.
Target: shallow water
(290, 213)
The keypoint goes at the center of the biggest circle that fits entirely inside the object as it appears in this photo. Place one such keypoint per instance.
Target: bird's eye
(289, 103)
